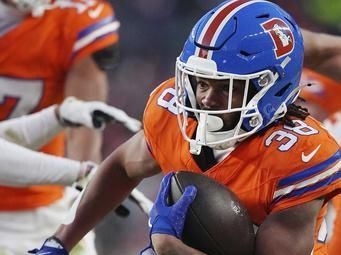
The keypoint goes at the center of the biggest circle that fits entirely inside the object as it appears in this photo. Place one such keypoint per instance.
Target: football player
(50, 50)
(229, 114)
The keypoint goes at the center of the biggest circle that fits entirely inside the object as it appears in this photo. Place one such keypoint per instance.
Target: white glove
(94, 114)
(87, 171)
(143, 202)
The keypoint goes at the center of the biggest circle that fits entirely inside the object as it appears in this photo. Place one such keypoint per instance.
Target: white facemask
(209, 127)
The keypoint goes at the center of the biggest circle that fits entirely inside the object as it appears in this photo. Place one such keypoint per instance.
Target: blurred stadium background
(152, 33)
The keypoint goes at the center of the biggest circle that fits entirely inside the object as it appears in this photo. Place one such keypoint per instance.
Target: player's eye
(202, 85)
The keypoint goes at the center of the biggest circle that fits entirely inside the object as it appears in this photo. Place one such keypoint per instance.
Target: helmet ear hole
(283, 90)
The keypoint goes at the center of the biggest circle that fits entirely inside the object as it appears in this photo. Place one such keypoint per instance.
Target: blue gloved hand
(170, 220)
(51, 246)
(165, 219)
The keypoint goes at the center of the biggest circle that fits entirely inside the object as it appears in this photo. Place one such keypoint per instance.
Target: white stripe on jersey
(322, 234)
(85, 41)
(308, 182)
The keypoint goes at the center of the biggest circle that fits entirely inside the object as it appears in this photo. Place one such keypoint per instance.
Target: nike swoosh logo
(96, 12)
(45, 253)
(307, 158)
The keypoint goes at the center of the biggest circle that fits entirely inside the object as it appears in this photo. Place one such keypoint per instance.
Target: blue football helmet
(253, 41)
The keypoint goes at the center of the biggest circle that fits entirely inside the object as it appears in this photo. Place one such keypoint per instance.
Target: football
(216, 223)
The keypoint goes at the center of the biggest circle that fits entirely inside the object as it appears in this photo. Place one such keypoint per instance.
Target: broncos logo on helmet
(281, 35)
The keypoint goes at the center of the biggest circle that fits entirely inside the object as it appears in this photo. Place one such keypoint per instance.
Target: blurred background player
(21, 166)
(323, 58)
(49, 50)
(289, 212)
(322, 98)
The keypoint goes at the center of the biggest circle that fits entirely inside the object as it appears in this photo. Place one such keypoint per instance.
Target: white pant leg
(25, 230)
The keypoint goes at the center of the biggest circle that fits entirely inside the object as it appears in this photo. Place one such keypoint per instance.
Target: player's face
(214, 95)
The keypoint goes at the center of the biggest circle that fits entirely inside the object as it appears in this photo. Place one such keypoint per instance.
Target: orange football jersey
(35, 57)
(323, 91)
(274, 170)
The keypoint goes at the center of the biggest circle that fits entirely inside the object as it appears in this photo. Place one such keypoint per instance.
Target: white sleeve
(23, 167)
(32, 131)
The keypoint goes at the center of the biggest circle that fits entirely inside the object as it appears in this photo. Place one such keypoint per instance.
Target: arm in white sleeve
(23, 167)
(32, 131)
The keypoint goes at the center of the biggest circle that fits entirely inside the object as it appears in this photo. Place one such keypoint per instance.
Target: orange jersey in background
(35, 57)
(325, 93)
(280, 168)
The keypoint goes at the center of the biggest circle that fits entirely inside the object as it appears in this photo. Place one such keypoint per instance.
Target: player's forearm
(280, 248)
(282, 243)
(322, 53)
(32, 131)
(86, 82)
(170, 245)
(23, 167)
(320, 45)
(107, 190)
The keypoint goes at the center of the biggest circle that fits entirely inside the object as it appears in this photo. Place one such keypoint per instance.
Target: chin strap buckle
(194, 148)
